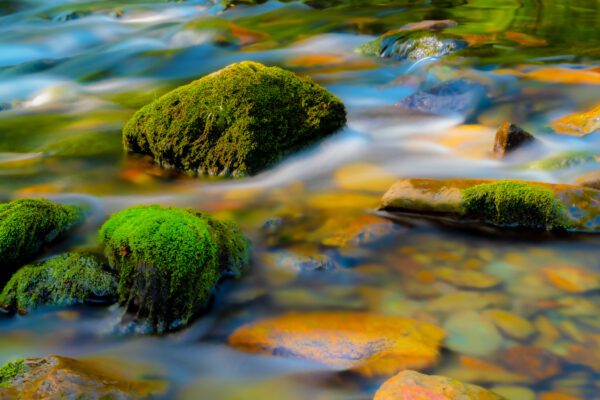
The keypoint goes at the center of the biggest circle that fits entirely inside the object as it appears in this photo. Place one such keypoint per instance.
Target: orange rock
(566, 76)
(314, 60)
(579, 124)
(535, 362)
(525, 40)
(369, 344)
(557, 396)
(512, 325)
(411, 385)
(362, 230)
(467, 278)
(572, 279)
(247, 36)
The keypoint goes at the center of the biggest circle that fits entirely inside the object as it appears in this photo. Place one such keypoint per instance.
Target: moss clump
(10, 371)
(413, 45)
(169, 260)
(27, 224)
(234, 122)
(60, 281)
(515, 204)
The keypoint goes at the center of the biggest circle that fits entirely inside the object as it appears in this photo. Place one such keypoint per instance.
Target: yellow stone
(329, 201)
(512, 325)
(411, 385)
(579, 124)
(369, 344)
(469, 279)
(572, 279)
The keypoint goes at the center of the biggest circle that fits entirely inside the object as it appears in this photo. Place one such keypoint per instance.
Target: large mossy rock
(169, 260)
(512, 204)
(368, 344)
(64, 280)
(27, 225)
(234, 122)
(411, 385)
(55, 377)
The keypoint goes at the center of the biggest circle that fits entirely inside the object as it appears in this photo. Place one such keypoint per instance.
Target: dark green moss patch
(517, 204)
(10, 371)
(60, 281)
(27, 224)
(234, 122)
(169, 260)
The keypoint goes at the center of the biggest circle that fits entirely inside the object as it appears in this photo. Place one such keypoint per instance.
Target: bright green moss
(169, 260)
(60, 281)
(10, 371)
(27, 224)
(516, 204)
(234, 122)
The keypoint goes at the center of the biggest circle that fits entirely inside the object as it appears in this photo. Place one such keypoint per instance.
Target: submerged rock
(579, 124)
(509, 137)
(411, 385)
(169, 261)
(234, 122)
(413, 45)
(28, 224)
(371, 345)
(511, 204)
(456, 97)
(56, 377)
(60, 281)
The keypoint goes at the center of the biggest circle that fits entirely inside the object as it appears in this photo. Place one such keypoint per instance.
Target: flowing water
(73, 71)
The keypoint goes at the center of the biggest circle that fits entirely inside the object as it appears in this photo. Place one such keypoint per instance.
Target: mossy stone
(60, 281)
(413, 45)
(169, 260)
(519, 204)
(234, 122)
(28, 224)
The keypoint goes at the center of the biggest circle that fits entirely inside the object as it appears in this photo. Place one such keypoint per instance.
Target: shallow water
(72, 72)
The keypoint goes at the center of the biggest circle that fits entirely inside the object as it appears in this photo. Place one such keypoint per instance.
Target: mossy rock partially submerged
(64, 280)
(169, 261)
(27, 225)
(234, 122)
(508, 204)
(413, 45)
(56, 377)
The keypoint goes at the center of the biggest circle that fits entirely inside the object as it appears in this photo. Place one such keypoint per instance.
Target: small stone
(579, 124)
(509, 137)
(467, 279)
(512, 325)
(535, 362)
(514, 392)
(411, 385)
(571, 278)
(471, 334)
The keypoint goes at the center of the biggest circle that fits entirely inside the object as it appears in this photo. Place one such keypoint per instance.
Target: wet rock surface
(510, 137)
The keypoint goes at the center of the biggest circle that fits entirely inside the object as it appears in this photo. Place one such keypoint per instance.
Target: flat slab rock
(368, 344)
(445, 199)
(411, 385)
(56, 377)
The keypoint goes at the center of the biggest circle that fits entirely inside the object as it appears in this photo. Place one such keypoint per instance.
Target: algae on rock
(28, 224)
(169, 261)
(60, 281)
(234, 122)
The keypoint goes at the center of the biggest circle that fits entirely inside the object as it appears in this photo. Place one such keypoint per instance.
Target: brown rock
(535, 362)
(411, 385)
(508, 138)
(56, 377)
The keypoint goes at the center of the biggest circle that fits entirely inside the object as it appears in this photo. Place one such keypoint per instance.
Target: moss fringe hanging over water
(234, 122)
(169, 260)
(27, 224)
(60, 281)
(510, 203)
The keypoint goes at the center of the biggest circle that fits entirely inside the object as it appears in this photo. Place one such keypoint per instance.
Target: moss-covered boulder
(27, 225)
(60, 281)
(234, 122)
(413, 45)
(56, 377)
(510, 204)
(169, 260)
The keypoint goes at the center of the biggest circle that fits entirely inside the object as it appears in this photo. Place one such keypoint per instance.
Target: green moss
(169, 260)
(413, 45)
(566, 159)
(516, 204)
(27, 224)
(234, 122)
(10, 371)
(60, 281)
